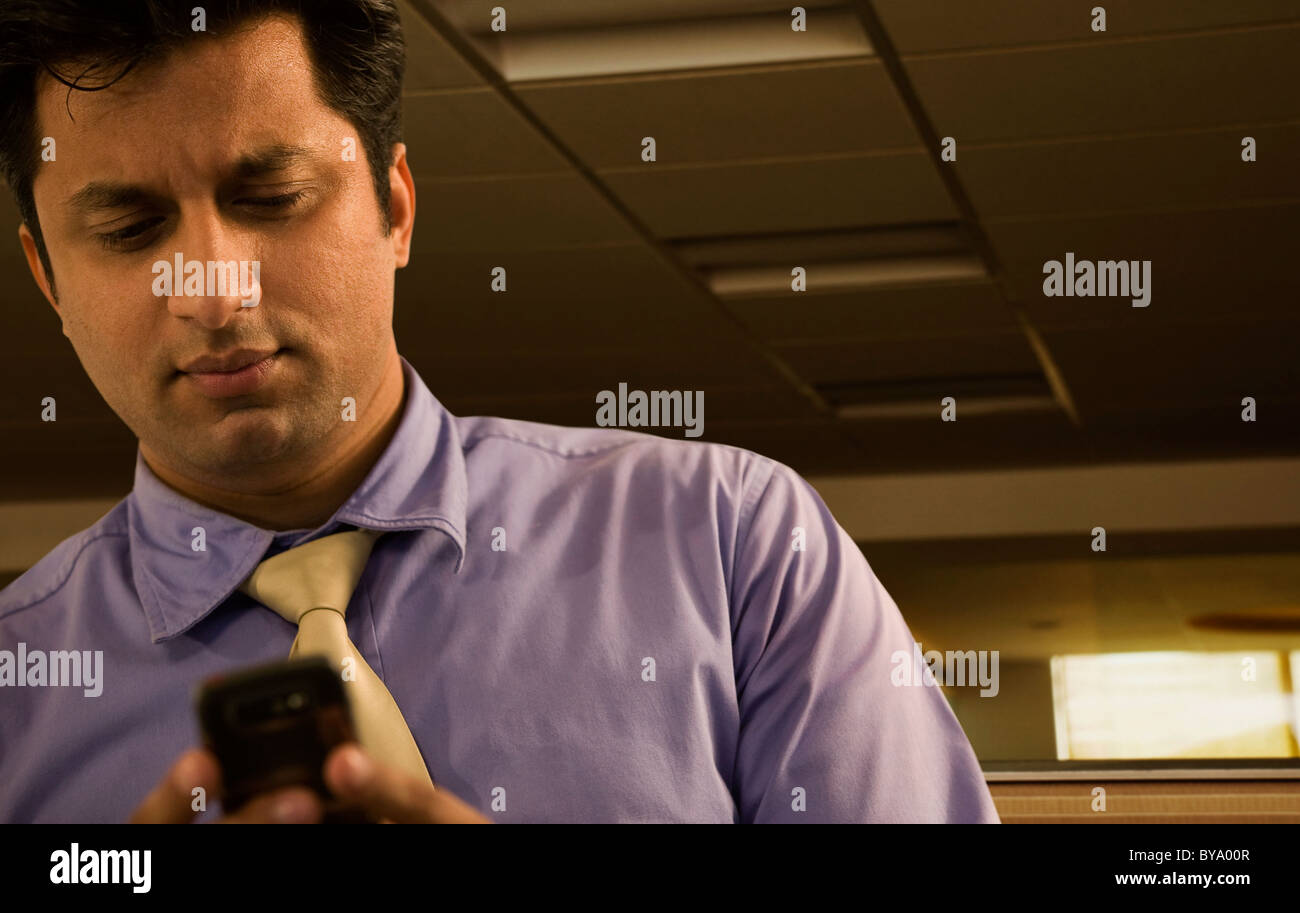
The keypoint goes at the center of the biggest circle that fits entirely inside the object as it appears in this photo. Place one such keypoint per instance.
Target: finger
(388, 792)
(295, 805)
(172, 800)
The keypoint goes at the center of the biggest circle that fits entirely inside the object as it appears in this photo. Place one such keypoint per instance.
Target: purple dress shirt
(579, 625)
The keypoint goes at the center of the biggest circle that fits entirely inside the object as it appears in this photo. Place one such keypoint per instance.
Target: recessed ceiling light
(688, 44)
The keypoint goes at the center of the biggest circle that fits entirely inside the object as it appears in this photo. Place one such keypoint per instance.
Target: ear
(401, 209)
(37, 268)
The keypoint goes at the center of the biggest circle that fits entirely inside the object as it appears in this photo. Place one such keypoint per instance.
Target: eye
(120, 239)
(284, 199)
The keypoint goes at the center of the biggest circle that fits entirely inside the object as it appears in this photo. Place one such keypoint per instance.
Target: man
(576, 624)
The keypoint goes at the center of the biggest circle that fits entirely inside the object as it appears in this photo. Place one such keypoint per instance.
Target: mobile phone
(272, 726)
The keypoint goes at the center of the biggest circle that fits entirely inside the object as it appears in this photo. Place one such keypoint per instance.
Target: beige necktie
(311, 585)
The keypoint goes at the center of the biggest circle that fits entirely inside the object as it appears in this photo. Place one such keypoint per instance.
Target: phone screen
(272, 726)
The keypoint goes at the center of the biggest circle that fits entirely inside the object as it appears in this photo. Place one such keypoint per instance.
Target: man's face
(175, 131)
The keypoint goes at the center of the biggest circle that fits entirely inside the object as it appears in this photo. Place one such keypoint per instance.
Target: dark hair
(356, 50)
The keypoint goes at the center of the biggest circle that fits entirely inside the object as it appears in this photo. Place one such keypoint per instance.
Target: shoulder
(599, 453)
(44, 580)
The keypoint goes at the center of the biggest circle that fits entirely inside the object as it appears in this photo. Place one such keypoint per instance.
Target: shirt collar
(418, 483)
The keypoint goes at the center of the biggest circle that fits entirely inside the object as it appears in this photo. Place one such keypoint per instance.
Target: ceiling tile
(801, 110)
(1161, 368)
(561, 300)
(1208, 265)
(1008, 441)
(523, 213)
(1240, 77)
(880, 360)
(926, 25)
(949, 309)
(998, 440)
(431, 63)
(1183, 170)
(535, 370)
(912, 240)
(471, 133)
(798, 196)
(809, 447)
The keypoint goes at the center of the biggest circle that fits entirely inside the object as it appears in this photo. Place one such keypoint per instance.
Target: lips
(240, 382)
(228, 362)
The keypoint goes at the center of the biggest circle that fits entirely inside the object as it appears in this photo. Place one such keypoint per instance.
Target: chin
(246, 439)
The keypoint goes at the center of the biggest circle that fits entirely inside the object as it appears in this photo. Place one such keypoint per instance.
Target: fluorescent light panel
(969, 405)
(690, 44)
(765, 281)
(1171, 705)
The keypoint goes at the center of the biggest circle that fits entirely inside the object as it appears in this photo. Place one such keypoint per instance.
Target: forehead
(194, 109)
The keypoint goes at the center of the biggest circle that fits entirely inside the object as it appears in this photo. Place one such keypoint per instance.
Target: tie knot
(321, 574)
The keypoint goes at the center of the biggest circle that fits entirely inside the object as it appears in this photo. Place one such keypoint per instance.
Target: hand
(386, 793)
(392, 795)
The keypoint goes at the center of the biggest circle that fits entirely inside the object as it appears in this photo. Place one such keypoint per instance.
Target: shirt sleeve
(825, 735)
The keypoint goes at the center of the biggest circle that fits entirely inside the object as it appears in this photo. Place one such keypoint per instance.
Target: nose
(215, 273)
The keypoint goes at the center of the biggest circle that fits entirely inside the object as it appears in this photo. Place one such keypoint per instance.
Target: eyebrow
(101, 195)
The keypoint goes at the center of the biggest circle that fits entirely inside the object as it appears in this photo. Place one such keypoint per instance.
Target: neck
(309, 501)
